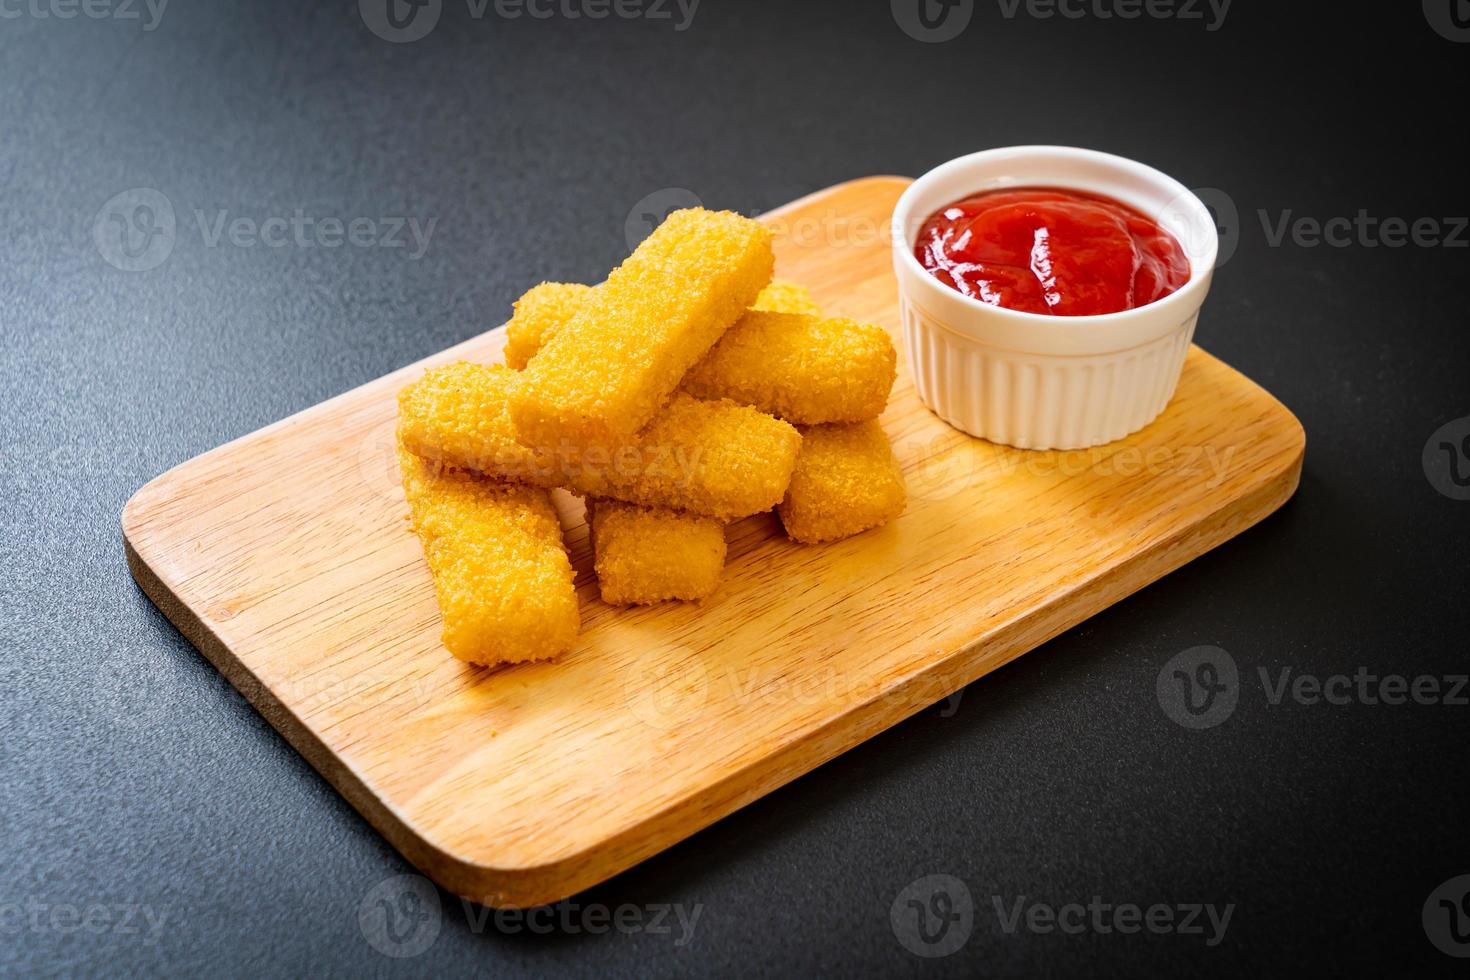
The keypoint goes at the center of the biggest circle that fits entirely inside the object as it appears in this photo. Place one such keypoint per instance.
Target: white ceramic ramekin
(1048, 382)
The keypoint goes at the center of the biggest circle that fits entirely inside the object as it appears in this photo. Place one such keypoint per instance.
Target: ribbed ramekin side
(1039, 401)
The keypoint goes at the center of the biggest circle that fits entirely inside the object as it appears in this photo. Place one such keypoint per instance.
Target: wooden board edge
(845, 185)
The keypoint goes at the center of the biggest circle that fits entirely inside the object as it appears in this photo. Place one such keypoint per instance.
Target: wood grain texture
(286, 558)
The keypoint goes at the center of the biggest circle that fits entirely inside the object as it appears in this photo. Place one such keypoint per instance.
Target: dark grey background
(133, 777)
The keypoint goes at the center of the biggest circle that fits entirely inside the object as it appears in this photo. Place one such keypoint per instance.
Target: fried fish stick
(796, 366)
(539, 314)
(500, 571)
(609, 371)
(542, 310)
(846, 481)
(715, 458)
(643, 555)
(800, 368)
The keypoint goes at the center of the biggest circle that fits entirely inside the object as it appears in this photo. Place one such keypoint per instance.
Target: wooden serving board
(286, 558)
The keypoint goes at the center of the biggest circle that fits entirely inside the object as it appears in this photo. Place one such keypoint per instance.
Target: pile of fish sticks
(686, 391)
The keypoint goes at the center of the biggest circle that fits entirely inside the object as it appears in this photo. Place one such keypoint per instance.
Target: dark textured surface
(136, 783)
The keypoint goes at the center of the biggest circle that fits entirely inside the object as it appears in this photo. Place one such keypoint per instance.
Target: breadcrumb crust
(706, 457)
(794, 365)
(800, 368)
(846, 481)
(785, 296)
(537, 314)
(644, 555)
(614, 365)
(500, 570)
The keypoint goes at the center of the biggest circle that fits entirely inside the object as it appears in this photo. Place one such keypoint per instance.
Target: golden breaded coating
(795, 366)
(500, 570)
(646, 555)
(783, 296)
(714, 458)
(801, 368)
(538, 314)
(609, 371)
(543, 310)
(847, 480)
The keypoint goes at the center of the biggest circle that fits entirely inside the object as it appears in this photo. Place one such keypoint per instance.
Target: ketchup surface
(1047, 250)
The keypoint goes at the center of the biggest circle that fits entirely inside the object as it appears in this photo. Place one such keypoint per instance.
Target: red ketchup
(1047, 250)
